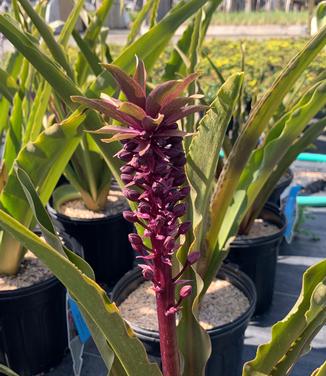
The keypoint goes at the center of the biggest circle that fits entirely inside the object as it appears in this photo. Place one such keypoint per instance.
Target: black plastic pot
(102, 242)
(33, 329)
(257, 257)
(275, 197)
(227, 340)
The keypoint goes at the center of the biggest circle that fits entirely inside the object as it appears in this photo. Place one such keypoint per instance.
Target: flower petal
(134, 92)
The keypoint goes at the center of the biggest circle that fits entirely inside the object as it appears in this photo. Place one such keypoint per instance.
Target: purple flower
(153, 170)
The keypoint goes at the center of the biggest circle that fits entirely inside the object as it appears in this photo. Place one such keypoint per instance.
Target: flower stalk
(154, 178)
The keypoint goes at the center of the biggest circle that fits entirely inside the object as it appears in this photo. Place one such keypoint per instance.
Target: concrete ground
(307, 248)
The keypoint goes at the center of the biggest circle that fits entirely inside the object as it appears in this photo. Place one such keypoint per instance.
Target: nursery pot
(284, 182)
(33, 329)
(102, 242)
(257, 257)
(227, 340)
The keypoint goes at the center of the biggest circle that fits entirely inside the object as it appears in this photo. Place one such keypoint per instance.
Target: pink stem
(167, 323)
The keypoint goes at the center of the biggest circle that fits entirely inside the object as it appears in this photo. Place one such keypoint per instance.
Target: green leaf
(37, 113)
(175, 66)
(201, 169)
(7, 371)
(321, 371)
(266, 158)
(44, 160)
(43, 64)
(14, 134)
(91, 35)
(92, 300)
(257, 122)
(150, 45)
(136, 25)
(292, 335)
(90, 58)
(8, 85)
(48, 37)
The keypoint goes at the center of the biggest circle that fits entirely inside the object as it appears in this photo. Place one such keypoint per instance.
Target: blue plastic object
(311, 157)
(290, 212)
(311, 200)
(79, 321)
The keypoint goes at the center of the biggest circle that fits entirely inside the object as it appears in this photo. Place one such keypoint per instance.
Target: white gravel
(116, 203)
(223, 303)
(31, 271)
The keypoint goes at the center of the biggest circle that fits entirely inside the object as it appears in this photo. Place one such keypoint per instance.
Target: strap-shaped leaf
(301, 143)
(321, 371)
(7, 371)
(256, 173)
(258, 120)
(175, 66)
(8, 85)
(201, 168)
(292, 335)
(136, 25)
(91, 35)
(44, 160)
(44, 30)
(265, 159)
(150, 45)
(91, 298)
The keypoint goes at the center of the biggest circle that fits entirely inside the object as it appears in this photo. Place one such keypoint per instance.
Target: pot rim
(91, 221)
(226, 272)
(264, 239)
(282, 185)
(29, 290)
(65, 218)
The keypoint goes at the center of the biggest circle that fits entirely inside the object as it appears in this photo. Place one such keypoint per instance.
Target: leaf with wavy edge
(257, 122)
(254, 175)
(292, 335)
(91, 298)
(201, 170)
(7, 371)
(44, 160)
(265, 159)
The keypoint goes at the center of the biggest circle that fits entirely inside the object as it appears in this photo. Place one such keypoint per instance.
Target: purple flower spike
(155, 180)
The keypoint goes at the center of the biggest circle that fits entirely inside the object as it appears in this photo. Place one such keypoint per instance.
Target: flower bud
(130, 194)
(179, 180)
(193, 257)
(127, 169)
(171, 311)
(126, 178)
(169, 243)
(185, 291)
(184, 192)
(130, 146)
(179, 161)
(144, 207)
(130, 216)
(125, 155)
(136, 242)
(147, 271)
(184, 227)
(179, 210)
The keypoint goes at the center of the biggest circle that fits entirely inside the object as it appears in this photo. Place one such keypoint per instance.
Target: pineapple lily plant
(155, 180)
(182, 259)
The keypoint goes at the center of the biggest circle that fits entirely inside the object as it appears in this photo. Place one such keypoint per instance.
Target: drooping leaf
(91, 298)
(292, 335)
(257, 122)
(44, 160)
(200, 169)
